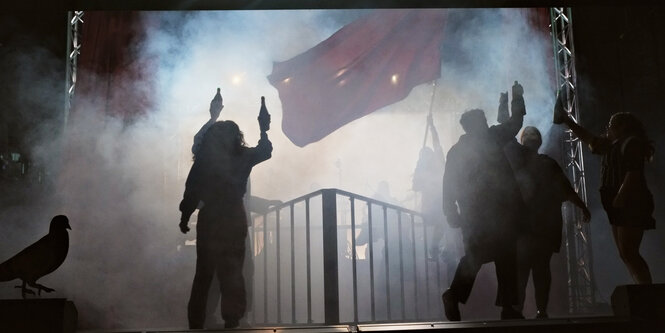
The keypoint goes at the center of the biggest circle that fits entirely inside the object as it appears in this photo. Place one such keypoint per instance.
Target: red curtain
(111, 76)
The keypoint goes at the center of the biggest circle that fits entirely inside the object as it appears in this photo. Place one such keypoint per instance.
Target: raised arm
(262, 151)
(216, 106)
(503, 114)
(579, 131)
(597, 144)
(508, 130)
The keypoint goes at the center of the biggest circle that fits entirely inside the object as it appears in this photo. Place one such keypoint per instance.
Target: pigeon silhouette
(39, 259)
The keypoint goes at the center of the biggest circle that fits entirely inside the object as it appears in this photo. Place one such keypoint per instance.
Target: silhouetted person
(427, 180)
(40, 258)
(623, 188)
(544, 188)
(481, 196)
(252, 203)
(219, 179)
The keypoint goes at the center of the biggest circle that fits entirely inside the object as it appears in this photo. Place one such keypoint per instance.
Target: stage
(568, 325)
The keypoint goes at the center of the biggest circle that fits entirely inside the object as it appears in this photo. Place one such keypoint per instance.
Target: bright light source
(287, 80)
(236, 79)
(341, 71)
(394, 78)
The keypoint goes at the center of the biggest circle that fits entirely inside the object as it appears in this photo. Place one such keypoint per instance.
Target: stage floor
(567, 325)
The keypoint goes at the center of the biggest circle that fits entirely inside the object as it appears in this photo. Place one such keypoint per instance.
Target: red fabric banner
(368, 64)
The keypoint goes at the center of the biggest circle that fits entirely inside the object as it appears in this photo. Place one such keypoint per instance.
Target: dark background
(620, 54)
(621, 67)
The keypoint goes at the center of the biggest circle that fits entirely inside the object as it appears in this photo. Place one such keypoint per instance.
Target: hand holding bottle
(216, 105)
(518, 90)
(264, 116)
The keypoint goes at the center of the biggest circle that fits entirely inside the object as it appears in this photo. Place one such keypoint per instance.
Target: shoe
(231, 323)
(451, 306)
(510, 313)
(542, 315)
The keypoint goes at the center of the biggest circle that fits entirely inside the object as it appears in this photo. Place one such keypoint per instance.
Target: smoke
(121, 182)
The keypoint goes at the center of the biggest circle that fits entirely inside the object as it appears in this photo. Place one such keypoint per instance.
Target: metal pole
(387, 262)
(293, 267)
(73, 51)
(330, 264)
(353, 261)
(308, 261)
(279, 270)
(370, 244)
(581, 285)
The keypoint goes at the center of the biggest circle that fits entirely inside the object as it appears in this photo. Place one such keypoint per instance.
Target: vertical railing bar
(385, 255)
(255, 243)
(415, 266)
(429, 312)
(330, 229)
(438, 274)
(401, 264)
(293, 267)
(278, 268)
(265, 268)
(353, 261)
(309, 272)
(371, 259)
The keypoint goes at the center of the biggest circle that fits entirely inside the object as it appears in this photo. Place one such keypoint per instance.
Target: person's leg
(248, 273)
(524, 266)
(205, 270)
(465, 275)
(462, 283)
(232, 283)
(628, 242)
(506, 275)
(214, 295)
(542, 280)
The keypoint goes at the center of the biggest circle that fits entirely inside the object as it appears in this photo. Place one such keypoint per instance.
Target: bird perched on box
(39, 259)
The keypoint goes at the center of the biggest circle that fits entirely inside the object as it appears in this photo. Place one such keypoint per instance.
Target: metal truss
(73, 51)
(581, 284)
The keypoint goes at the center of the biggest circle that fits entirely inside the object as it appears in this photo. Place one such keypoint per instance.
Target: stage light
(287, 80)
(236, 79)
(394, 79)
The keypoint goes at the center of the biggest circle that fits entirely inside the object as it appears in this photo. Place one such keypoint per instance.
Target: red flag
(368, 64)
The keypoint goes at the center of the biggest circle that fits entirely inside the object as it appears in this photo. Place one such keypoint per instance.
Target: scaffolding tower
(581, 298)
(73, 51)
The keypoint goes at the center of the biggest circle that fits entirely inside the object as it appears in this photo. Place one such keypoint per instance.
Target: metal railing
(332, 257)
